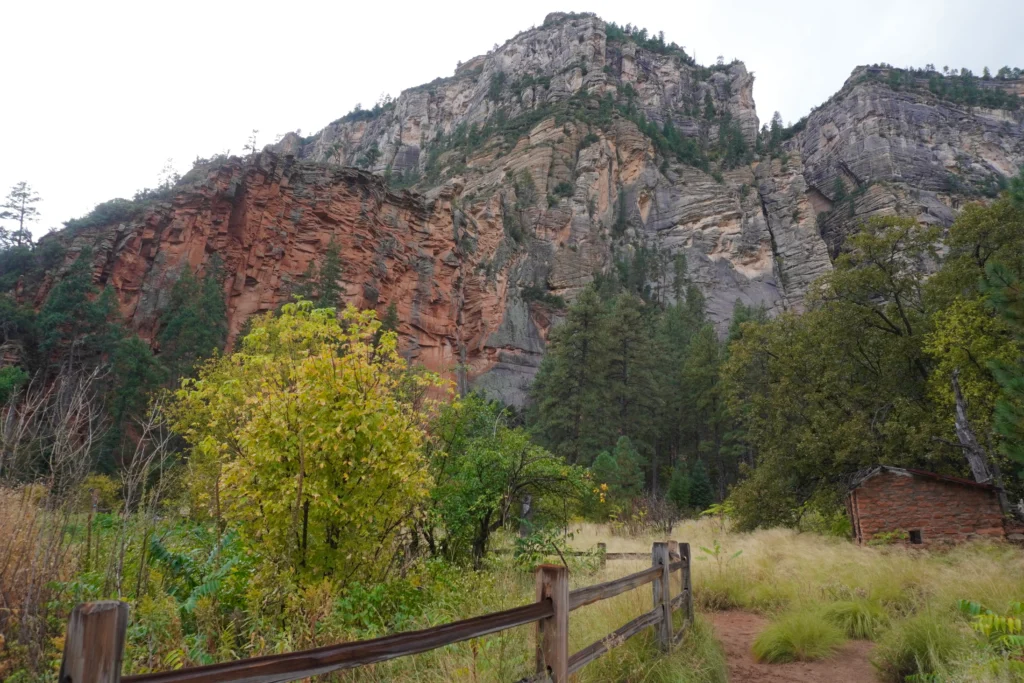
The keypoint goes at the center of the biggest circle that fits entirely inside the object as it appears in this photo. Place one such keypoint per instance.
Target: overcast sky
(98, 95)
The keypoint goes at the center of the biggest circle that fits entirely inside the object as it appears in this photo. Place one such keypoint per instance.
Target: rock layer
(536, 167)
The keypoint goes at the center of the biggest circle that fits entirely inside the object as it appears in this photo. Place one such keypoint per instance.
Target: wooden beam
(609, 589)
(94, 643)
(614, 639)
(661, 591)
(295, 665)
(684, 552)
(553, 631)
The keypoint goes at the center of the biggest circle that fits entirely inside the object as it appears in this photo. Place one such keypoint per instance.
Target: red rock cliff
(268, 218)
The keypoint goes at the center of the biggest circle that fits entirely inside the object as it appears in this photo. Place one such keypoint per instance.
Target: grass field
(907, 601)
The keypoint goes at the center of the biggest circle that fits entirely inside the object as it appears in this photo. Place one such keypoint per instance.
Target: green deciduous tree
(482, 469)
(305, 441)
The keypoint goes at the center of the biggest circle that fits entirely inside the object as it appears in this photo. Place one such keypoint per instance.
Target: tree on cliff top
(19, 206)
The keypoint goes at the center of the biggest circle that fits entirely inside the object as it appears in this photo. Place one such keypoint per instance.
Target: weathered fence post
(553, 632)
(684, 552)
(662, 594)
(602, 550)
(94, 643)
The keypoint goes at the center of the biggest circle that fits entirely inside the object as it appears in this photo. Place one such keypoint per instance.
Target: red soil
(736, 631)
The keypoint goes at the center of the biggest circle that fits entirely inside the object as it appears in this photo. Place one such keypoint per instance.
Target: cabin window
(915, 536)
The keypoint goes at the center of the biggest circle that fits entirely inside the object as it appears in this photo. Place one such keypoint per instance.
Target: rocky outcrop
(874, 150)
(266, 219)
(536, 167)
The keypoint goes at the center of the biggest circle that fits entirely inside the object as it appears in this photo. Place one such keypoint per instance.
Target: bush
(114, 211)
(799, 636)
(862, 619)
(11, 379)
(921, 644)
(563, 189)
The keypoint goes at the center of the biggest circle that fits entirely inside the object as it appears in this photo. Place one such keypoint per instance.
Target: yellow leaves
(305, 396)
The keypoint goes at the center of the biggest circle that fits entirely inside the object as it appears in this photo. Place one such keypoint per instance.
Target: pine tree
(679, 488)
(632, 387)
(702, 496)
(194, 324)
(622, 470)
(322, 282)
(569, 391)
(19, 206)
(74, 321)
(1017, 189)
(709, 106)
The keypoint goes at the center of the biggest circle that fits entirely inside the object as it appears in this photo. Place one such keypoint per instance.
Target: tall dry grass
(910, 594)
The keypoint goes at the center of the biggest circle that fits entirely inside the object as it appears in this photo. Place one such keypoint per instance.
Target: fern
(1003, 631)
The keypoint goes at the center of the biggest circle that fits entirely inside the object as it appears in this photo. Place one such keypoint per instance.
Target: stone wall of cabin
(944, 512)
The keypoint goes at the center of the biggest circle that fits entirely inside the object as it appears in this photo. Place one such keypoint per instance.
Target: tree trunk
(526, 515)
(973, 451)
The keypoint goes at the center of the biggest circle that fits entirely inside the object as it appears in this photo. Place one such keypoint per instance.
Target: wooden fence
(94, 644)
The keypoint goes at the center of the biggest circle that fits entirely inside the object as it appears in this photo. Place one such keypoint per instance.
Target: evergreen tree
(1017, 189)
(570, 388)
(194, 324)
(702, 496)
(679, 488)
(389, 323)
(322, 282)
(631, 364)
(622, 470)
(74, 321)
(709, 106)
(19, 206)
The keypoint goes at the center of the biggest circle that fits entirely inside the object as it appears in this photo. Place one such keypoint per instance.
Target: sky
(98, 95)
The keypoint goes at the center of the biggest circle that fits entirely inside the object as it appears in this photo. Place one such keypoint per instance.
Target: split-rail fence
(95, 639)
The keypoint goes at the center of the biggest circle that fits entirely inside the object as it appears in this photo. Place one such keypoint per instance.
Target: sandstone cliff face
(536, 167)
(267, 219)
(903, 152)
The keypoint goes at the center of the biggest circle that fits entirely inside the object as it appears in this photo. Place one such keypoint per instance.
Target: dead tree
(973, 451)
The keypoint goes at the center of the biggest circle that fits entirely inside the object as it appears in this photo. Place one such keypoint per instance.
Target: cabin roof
(862, 476)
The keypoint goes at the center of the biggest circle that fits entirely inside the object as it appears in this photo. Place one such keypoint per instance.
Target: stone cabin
(933, 509)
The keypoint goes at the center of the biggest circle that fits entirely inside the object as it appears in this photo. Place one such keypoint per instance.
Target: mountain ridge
(570, 148)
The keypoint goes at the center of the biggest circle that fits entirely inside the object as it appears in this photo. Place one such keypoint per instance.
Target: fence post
(684, 552)
(553, 632)
(662, 593)
(94, 643)
(602, 550)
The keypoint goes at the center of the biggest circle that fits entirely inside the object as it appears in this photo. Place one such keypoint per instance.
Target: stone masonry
(933, 509)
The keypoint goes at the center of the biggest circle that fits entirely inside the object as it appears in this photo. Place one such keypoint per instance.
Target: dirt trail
(736, 631)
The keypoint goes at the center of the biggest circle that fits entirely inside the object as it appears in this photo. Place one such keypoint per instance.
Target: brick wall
(944, 512)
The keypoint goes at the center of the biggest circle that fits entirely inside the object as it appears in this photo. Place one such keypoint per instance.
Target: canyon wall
(536, 167)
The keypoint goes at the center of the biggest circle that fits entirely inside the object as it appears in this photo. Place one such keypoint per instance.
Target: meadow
(196, 598)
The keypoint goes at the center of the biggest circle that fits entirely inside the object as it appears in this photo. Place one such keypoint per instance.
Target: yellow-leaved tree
(308, 440)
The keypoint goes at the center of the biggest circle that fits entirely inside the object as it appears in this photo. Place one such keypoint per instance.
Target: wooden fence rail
(95, 639)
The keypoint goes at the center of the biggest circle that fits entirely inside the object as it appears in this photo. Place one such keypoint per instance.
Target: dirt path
(736, 631)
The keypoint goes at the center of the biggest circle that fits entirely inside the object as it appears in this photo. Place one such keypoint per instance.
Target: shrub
(563, 189)
(114, 211)
(799, 636)
(863, 619)
(921, 644)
